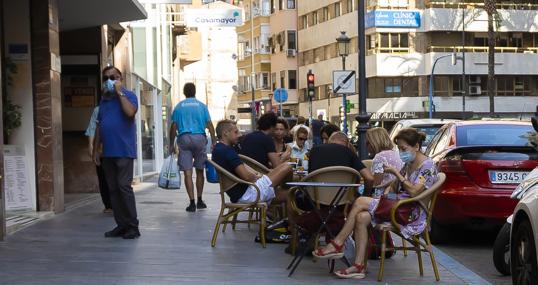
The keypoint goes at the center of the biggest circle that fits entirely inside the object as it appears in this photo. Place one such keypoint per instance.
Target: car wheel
(523, 255)
(501, 250)
(438, 233)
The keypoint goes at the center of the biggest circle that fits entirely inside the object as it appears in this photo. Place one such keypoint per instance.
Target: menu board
(17, 189)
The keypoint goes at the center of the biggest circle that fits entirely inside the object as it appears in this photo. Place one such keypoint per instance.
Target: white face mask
(109, 85)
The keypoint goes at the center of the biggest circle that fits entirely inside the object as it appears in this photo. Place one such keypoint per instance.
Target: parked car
(427, 126)
(484, 162)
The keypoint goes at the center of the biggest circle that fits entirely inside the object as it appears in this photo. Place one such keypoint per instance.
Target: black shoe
(191, 208)
(200, 205)
(116, 232)
(131, 233)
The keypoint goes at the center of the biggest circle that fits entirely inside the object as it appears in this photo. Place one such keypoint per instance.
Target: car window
(431, 147)
(429, 130)
(395, 130)
(492, 134)
(442, 144)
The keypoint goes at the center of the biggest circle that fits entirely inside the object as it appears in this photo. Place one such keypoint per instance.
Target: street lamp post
(430, 93)
(363, 117)
(343, 50)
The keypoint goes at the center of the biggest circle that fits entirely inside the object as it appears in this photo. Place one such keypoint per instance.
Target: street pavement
(175, 249)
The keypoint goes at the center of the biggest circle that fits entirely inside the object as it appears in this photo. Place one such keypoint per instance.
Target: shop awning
(78, 14)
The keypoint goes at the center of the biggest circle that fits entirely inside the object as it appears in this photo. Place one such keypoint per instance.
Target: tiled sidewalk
(174, 249)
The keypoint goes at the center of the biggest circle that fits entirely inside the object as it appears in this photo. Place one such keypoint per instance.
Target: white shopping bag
(169, 177)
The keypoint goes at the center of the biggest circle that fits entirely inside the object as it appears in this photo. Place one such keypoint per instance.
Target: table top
(323, 184)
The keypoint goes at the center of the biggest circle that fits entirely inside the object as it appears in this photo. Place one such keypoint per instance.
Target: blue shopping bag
(211, 173)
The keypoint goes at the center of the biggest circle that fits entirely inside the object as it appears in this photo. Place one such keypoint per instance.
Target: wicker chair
(228, 180)
(254, 164)
(427, 201)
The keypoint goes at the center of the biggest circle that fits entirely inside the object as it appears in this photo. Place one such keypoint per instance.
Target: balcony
(480, 3)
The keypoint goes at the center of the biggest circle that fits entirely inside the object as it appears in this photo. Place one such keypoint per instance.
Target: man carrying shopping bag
(169, 177)
(190, 120)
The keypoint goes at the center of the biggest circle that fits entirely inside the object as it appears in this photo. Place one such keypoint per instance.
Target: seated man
(259, 144)
(337, 152)
(226, 156)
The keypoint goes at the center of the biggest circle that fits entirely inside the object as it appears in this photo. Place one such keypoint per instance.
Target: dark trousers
(119, 176)
(103, 187)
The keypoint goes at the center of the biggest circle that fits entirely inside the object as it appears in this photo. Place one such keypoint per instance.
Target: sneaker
(191, 208)
(201, 204)
(108, 211)
(116, 232)
(131, 233)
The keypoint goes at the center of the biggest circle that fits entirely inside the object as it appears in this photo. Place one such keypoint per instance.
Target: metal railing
(479, 49)
(387, 50)
(479, 4)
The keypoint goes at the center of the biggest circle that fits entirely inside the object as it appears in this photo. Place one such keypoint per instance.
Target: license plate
(507, 177)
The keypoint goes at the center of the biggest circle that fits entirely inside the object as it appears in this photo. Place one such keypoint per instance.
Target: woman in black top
(281, 131)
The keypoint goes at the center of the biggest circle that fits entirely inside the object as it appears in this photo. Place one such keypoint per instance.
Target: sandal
(360, 274)
(336, 254)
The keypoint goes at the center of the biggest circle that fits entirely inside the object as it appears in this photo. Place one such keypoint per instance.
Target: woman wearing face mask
(418, 174)
(280, 132)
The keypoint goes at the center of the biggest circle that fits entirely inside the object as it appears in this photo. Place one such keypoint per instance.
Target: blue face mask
(407, 156)
(109, 85)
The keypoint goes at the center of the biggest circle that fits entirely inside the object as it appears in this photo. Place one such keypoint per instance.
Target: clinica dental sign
(213, 17)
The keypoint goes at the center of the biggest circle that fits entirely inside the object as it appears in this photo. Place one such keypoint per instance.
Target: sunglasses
(111, 77)
(301, 139)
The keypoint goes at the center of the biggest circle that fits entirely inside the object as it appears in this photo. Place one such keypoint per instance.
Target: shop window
(292, 79)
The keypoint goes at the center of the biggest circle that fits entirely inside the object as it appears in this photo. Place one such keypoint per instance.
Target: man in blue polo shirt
(116, 131)
(189, 122)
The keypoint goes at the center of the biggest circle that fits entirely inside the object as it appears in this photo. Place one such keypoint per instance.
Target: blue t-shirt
(257, 146)
(191, 116)
(117, 131)
(227, 157)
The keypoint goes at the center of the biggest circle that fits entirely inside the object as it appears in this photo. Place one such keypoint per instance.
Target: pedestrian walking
(316, 130)
(103, 187)
(116, 131)
(190, 120)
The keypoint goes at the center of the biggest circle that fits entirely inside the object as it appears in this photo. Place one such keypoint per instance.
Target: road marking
(458, 269)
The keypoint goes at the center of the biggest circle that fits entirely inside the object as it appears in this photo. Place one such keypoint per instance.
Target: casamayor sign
(213, 17)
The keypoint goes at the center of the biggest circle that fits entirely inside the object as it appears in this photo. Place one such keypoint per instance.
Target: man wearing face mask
(116, 131)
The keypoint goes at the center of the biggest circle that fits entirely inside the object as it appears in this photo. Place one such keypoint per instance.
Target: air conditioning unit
(475, 90)
(474, 80)
(291, 53)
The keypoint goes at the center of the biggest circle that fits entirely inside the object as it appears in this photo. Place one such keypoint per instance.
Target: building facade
(404, 38)
(283, 47)
(254, 60)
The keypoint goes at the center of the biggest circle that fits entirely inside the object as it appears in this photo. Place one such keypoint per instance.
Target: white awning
(78, 14)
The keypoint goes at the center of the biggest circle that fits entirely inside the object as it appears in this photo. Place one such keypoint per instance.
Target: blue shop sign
(393, 19)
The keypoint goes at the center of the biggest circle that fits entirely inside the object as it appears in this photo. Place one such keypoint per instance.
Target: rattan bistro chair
(254, 164)
(427, 201)
(226, 181)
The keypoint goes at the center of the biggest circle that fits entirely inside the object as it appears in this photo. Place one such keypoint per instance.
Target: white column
(138, 171)
(158, 130)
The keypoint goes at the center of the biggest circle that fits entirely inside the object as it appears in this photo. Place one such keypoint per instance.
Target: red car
(484, 162)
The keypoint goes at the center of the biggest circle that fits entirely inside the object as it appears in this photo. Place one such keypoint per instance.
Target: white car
(428, 126)
(524, 229)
